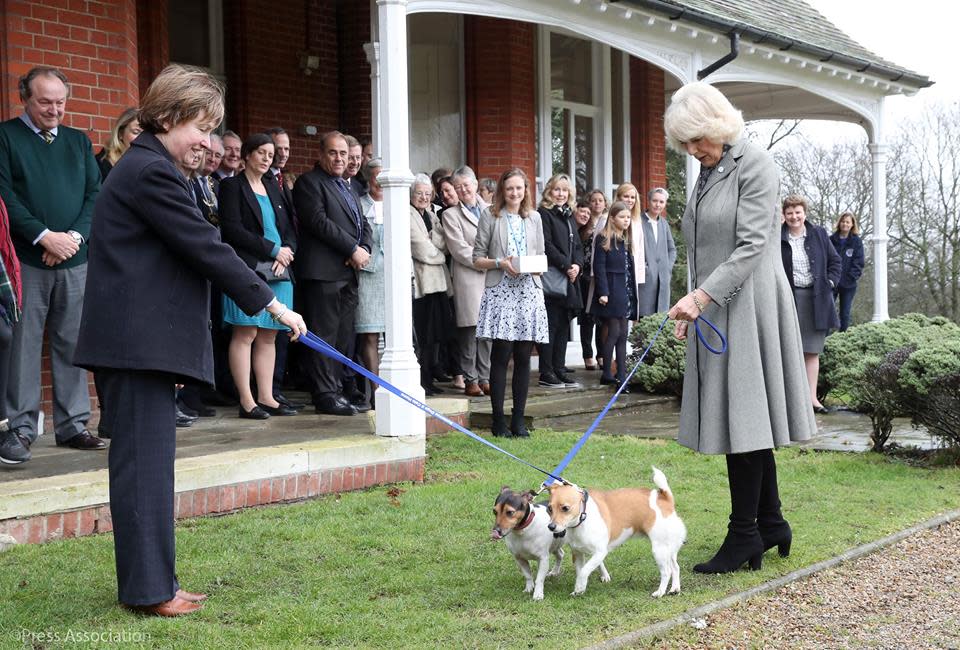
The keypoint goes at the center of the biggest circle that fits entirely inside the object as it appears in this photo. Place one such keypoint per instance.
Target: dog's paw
(577, 593)
(674, 590)
(555, 571)
(538, 595)
(658, 593)
(528, 589)
(605, 577)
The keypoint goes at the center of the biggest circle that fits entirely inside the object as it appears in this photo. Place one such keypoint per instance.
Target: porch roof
(788, 25)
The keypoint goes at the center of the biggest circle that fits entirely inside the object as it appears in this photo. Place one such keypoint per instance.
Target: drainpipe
(719, 63)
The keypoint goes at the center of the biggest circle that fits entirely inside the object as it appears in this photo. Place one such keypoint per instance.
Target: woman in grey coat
(753, 398)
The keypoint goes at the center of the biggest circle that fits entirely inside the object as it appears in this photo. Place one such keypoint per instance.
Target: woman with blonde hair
(512, 311)
(124, 131)
(753, 398)
(564, 261)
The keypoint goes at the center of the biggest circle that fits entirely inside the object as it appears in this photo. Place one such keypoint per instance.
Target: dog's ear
(505, 488)
(529, 496)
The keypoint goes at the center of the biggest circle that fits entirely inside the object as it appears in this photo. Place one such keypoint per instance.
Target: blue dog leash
(313, 341)
(596, 422)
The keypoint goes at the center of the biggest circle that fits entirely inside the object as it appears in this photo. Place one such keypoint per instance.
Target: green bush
(908, 366)
(847, 354)
(662, 369)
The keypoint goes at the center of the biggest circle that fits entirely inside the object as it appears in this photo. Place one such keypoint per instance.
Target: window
(195, 29)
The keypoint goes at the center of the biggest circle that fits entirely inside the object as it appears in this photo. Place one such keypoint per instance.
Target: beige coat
(492, 242)
(429, 252)
(754, 396)
(460, 232)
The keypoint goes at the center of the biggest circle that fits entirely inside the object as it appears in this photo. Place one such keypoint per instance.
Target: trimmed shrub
(909, 367)
(662, 369)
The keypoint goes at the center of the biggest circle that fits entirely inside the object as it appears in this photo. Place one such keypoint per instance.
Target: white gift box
(531, 264)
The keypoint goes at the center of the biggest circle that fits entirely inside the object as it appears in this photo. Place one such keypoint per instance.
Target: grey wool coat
(754, 396)
(659, 256)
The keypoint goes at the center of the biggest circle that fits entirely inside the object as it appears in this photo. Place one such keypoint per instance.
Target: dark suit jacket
(286, 193)
(329, 232)
(825, 267)
(147, 304)
(241, 221)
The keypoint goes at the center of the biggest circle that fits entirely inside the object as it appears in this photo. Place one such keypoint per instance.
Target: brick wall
(353, 21)
(153, 42)
(263, 42)
(647, 139)
(500, 86)
(93, 42)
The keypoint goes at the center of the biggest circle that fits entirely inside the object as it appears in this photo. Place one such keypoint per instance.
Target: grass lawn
(418, 569)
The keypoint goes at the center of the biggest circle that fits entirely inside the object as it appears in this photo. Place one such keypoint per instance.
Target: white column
(372, 51)
(692, 173)
(878, 159)
(396, 417)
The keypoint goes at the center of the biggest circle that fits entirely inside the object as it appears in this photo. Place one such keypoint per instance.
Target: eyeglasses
(423, 195)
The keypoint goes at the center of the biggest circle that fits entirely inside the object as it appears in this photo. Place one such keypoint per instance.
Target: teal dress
(282, 289)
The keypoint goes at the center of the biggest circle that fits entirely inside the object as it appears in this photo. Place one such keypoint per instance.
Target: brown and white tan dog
(596, 522)
(523, 525)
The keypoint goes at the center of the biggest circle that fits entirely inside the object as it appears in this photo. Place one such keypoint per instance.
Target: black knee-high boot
(773, 528)
(743, 542)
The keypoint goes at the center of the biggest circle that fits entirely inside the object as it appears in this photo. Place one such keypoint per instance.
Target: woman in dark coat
(846, 240)
(752, 399)
(254, 221)
(145, 320)
(813, 269)
(564, 254)
(14, 449)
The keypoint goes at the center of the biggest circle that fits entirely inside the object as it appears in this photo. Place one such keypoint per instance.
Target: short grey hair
(420, 179)
(465, 172)
(215, 139)
(373, 163)
(698, 110)
(658, 190)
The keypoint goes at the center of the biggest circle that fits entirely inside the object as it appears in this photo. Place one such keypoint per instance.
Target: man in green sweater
(49, 180)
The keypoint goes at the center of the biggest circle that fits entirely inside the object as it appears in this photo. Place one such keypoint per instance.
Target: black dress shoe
(190, 404)
(280, 409)
(186, 410)
(432, 389)
(442, 377)
(608, 381)
(283, 399)
(256, 413)
(84, 441)
(335, 405)
(184, 420)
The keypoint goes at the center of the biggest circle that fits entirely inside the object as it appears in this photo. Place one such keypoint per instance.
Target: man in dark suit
(334, 244)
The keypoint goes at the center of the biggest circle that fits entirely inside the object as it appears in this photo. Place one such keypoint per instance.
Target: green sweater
(47, 186)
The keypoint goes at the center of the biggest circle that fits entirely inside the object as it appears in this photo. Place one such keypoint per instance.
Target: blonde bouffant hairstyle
(698, 110)
(547, 200)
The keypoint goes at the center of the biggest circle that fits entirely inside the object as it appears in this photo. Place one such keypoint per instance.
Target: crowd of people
(168, 209)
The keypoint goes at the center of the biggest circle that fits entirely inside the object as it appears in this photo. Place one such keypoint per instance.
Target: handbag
(265, 271)
(555, 282)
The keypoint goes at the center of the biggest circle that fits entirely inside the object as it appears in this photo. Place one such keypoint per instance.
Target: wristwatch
(77, 237)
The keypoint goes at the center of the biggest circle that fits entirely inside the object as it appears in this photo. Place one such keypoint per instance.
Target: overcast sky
(920, 35)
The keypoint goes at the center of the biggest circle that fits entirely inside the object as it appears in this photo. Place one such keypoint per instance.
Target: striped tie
(46, 135)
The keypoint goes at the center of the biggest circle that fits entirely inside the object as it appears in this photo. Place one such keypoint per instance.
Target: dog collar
(527, 518)
(583, 513)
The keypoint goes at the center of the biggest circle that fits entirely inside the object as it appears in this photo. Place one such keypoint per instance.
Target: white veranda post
(395, 417)
(878, 158)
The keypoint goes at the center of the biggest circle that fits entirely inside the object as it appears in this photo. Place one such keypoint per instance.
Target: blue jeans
(846, 303)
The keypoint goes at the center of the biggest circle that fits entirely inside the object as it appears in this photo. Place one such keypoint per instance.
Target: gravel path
(905, 597)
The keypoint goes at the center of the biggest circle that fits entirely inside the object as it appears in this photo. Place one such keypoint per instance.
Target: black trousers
(140, 412)
(553, 355)
(617, 329)
(6, 341)
(330, 308)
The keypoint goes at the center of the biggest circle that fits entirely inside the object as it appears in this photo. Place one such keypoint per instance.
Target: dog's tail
(660, 480)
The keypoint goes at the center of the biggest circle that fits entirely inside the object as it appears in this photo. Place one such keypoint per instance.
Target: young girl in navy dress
(616, 296)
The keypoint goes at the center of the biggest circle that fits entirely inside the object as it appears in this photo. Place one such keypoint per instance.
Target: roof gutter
(759, 36)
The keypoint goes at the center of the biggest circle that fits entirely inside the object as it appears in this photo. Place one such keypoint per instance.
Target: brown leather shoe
(84, 441)
(485, 387)
(175, 607)
(472, 390)
(191, 597)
